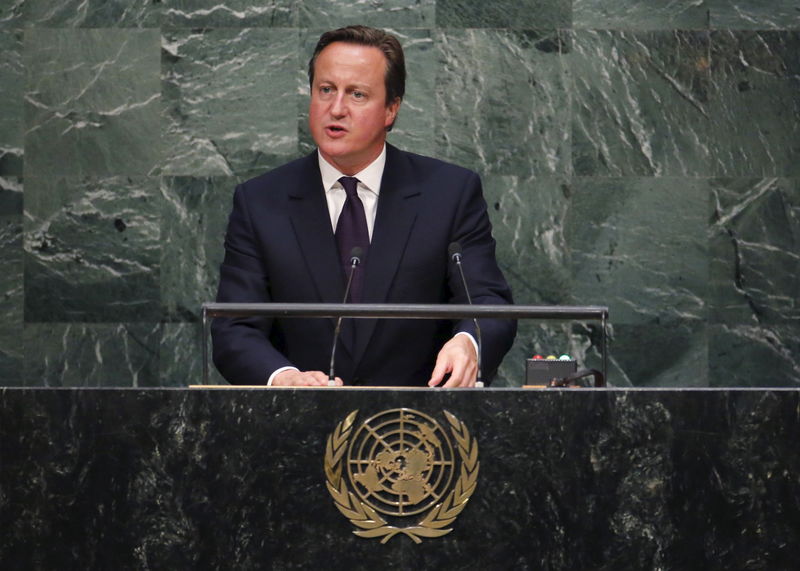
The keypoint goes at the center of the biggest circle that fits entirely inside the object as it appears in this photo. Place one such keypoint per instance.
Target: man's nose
(339, 106)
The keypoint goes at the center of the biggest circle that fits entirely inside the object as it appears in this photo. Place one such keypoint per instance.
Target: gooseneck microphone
(454, 251)
(355, 258)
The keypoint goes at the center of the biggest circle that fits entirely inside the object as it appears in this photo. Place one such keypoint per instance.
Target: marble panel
(92, 102)
(92, 13)
(11, 197)
(528, 216)
(12, 14)
(754, 355)
(91, 355)
(181, 356)
(755, 119)
(12, 78)
(11, 290)
(503, 101)
(414, 128)
(754, 14)
(229, 99)
(331, 14)
(530, 14)
(640, 15)
(230, 13)
(192, 234)
(639, 245)
(308, 40)
(660, 354)
(92, 249)
(755, 251)
(641, 103)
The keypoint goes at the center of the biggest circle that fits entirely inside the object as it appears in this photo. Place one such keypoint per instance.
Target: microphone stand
(455, 249)
(355, 259)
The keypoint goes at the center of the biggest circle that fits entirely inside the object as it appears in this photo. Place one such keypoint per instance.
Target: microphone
(355, 259)
(454, 251)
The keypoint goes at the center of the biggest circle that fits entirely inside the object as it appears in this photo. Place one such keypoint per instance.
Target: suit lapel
(397, 211)
(308, 210)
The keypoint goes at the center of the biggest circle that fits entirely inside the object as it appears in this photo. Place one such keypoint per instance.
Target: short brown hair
(395, 78)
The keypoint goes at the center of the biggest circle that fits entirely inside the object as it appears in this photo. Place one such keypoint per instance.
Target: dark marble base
(233, 479)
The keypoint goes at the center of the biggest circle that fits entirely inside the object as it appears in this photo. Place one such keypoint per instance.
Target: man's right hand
(295, 378)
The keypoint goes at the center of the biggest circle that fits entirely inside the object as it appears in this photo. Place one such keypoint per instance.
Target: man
(292, 231)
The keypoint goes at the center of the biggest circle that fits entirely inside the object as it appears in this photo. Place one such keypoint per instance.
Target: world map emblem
(401, 473)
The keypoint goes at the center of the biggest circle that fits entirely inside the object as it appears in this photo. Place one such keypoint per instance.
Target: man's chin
(337, 157)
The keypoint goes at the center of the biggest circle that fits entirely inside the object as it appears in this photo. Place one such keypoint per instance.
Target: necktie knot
(350, 184)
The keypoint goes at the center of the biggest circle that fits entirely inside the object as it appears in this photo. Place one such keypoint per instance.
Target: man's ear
(391, 112)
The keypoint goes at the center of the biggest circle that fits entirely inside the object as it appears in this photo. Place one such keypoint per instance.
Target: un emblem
(401, 464)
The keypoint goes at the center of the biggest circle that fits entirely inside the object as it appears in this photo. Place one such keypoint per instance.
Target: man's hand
(295, 378)
(457, 357)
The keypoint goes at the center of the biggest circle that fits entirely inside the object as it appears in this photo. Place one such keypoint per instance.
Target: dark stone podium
(234, 479)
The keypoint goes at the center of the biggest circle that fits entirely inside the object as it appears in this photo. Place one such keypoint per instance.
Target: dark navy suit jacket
(280, 247)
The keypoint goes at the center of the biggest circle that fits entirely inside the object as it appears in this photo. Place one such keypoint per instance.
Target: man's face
(348, 115)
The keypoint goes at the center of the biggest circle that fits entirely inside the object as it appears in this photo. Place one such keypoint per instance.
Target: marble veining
(91, 106)
(230, 14)
(756, 75)
(12, 74)
(754, 355)
(641, 103)
(627, 253)
(90, 355)
(211, 78)
(92, 249)
(503, 90)
(755, 240)
(640, 14)
(519, 14)
(329, 14)
(192, 242)
(754, 14)
(11, 282)
(92, 13)
(11, 13)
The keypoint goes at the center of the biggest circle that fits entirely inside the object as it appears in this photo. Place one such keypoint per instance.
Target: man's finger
(442, 367)
(456, 375)
(462, 376)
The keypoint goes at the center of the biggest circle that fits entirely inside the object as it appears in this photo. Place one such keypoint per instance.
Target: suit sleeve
(242, 352)
(473, 230)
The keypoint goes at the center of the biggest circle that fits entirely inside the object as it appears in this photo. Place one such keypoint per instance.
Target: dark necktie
(351, 231)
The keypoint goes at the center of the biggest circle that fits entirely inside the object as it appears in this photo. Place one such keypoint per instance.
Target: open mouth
(335, 129)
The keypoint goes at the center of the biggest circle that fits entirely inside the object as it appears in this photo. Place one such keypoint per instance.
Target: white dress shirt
(369, 187)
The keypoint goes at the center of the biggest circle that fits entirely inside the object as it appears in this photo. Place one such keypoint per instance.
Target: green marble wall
(642, 155)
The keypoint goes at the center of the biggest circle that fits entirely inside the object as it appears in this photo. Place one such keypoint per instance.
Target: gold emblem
(401, 464)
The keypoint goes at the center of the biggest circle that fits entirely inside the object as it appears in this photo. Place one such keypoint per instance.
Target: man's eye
(325, 90)
(359, 95)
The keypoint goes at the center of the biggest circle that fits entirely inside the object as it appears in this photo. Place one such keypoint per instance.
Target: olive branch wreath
(372, 525)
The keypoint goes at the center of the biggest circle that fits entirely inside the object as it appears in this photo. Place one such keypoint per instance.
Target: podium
(236, 479)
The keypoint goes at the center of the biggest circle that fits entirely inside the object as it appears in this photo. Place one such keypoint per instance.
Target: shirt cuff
(471, 338)
(282, 369)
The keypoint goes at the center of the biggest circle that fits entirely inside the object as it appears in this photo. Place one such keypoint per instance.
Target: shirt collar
(370, 176)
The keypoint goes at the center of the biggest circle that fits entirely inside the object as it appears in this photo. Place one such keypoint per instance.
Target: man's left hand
(457, 357)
